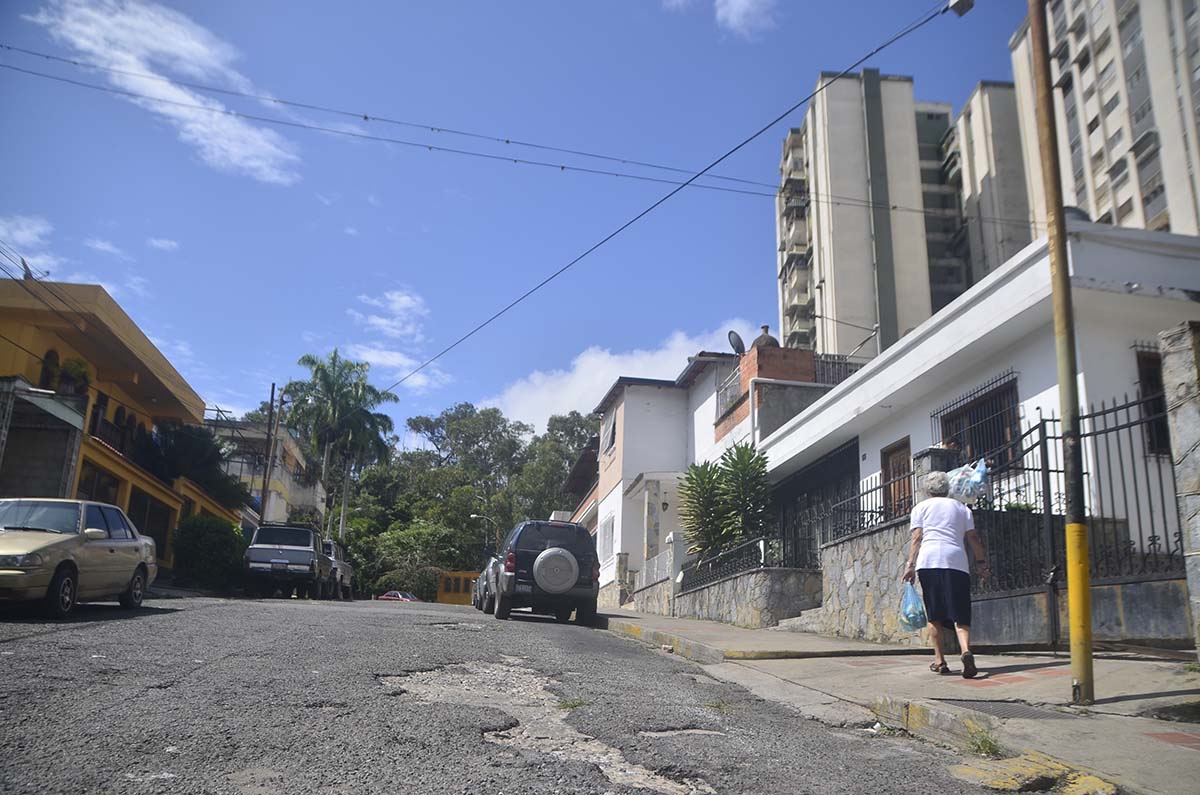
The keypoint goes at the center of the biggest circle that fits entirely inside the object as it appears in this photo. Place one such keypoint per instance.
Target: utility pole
(1079, 586)
(266, 487)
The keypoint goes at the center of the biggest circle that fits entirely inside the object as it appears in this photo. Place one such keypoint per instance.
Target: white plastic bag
(969, 483)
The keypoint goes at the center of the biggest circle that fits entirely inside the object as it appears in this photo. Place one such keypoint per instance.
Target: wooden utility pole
(266, 487)
(1079, 586)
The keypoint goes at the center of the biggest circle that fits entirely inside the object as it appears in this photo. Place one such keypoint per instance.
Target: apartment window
(1107, 75)
(1154, 405)
(1093, 123)
(1111, 104)
(896, 469)
(608, 434)
(96, 484)
(984, 423)
(1116, 138)
(1124, 210)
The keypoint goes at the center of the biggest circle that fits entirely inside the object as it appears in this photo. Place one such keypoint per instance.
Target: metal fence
(747, 556)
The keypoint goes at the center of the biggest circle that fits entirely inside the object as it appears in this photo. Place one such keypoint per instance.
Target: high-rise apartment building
(865, 217)
(982, 158)
(1127, 80)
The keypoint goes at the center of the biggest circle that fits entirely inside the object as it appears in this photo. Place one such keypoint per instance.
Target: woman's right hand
(910, 574)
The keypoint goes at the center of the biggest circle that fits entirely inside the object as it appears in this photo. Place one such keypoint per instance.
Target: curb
(711, 655)
(1024, 771)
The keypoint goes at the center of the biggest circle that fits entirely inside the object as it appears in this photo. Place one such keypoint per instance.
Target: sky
(239, 245)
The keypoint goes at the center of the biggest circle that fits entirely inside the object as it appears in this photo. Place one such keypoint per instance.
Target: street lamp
(493, 523)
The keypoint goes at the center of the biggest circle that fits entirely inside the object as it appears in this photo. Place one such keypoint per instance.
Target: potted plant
(73, 377)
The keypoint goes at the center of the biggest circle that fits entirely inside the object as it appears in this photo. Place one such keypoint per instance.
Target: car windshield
(53, 517)
(327, 547)
(283, 537)
(536, 537)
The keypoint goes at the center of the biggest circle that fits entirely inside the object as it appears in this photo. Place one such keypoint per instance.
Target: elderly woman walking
(942, 531)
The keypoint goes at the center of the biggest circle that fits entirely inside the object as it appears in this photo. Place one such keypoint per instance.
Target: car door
(96, 559)
(126, 548)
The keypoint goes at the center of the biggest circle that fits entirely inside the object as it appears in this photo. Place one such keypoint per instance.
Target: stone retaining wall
(655, 598)
(755, 599)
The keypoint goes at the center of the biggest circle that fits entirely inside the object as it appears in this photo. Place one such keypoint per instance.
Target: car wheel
(135, 591)
(503, 606)
(585, 615)
(489, 604)
(60, 596)
(563, 614)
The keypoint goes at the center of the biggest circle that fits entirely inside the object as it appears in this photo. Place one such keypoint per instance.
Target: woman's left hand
(983, 570)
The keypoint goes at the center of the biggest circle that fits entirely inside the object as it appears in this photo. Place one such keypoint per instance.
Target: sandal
(969, 669)
(941, 670)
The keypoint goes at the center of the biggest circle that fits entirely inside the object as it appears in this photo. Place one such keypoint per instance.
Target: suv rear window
(283, 537)
(536, 537)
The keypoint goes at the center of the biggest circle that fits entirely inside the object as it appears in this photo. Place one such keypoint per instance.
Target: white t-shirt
(944, 524)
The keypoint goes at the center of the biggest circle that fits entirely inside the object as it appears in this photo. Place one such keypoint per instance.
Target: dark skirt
(947, 595)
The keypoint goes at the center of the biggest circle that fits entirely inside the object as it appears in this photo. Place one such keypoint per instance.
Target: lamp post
(493, 524)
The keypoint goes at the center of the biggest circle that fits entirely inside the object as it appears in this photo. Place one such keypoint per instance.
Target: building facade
(295, 481)
(1127, 94)
(81, 389)
(865, 217)
(982, 158)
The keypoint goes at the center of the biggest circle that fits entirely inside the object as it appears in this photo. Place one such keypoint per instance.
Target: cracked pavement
(266, 696)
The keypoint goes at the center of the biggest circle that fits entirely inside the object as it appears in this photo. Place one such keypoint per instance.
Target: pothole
(541, 724)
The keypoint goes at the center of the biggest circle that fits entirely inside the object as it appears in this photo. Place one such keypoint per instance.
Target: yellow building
(454, 587)
(81, 387)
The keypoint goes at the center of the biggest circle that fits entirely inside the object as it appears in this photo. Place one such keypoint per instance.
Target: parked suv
(287, 556)
(550, 567)
(343, 572)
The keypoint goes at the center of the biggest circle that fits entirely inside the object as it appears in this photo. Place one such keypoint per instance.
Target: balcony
(797, 256)
(832, 369)
(795, 183)
(795, 207)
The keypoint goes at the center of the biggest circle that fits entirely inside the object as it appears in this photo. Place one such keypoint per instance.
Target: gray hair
(937, 484)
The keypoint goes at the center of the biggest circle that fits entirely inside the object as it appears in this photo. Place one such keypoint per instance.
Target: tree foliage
(208, 552)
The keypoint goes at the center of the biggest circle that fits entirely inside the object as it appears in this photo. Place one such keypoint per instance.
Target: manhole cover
(1007, 709)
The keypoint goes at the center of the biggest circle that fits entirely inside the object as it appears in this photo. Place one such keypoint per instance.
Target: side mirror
(95, 534)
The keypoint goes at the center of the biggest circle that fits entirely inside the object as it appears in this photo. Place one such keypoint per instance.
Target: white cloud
(178, 351)
(398, 365)
(351, 230)
(25, 231)
(400, 315)
(104, 247)
(540, 394)
(373, 200)
(162, 243)
(746, 17)
(138, 36)
(138, 285)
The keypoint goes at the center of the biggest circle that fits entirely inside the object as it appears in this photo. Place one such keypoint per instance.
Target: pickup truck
(288, 557)
(343, 572)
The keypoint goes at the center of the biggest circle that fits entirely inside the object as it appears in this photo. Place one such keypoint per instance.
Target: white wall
(656, 430)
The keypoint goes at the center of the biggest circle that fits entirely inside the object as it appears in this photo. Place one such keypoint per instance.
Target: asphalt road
(275, 696)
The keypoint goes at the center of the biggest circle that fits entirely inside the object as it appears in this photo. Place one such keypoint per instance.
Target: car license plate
(524, 589)
(279, 565)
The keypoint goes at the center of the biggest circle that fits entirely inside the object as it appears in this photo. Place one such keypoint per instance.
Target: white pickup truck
(343, 572)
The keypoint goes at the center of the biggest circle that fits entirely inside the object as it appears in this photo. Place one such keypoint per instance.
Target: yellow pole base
(1079, 613)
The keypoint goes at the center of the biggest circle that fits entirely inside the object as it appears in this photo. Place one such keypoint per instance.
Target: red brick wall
(784, 364)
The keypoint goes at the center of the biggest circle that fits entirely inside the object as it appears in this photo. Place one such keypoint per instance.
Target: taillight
(510, 562)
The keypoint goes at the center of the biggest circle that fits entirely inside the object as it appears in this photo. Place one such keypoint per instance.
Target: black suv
(550, 567)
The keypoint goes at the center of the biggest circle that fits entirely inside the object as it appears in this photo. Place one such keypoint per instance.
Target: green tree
(701, 514)
(744, 492)
(175, 450)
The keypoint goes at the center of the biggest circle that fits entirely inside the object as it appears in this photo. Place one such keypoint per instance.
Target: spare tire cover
(556, 570)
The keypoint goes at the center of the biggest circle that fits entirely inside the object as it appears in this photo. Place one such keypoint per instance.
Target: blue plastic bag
(912, 610)
(968, 483)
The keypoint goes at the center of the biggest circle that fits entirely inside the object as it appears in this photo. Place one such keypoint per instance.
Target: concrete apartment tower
(847, 260)
(982, 157)
(1127, 91)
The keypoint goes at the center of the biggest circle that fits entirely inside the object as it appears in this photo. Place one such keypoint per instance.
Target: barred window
(983, 423)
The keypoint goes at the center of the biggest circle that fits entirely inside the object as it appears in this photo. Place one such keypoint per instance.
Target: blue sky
(238, 246)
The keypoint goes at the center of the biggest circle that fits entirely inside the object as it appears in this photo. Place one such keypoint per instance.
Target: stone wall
(755, 599)
(654, 599)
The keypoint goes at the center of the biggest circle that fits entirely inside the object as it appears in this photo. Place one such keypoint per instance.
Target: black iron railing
(754, 554)
(832, 369)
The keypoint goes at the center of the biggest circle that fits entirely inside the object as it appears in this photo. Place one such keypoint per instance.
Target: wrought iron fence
(729, 392)
(833, 369)
(873, 503)
(754, 554)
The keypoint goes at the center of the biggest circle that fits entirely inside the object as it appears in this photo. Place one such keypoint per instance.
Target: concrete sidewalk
(1020, 702)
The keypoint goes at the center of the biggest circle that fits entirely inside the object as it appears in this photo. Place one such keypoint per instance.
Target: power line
(907, 30)
(367, 117)
(830, 199)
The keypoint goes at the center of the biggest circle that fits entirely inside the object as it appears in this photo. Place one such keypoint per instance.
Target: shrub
(700, 512)
(208, 553)
(744, 492)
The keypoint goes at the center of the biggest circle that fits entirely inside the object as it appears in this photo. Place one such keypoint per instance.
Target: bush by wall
(208, 553)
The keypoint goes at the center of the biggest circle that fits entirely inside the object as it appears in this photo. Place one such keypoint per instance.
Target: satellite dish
(735, 342)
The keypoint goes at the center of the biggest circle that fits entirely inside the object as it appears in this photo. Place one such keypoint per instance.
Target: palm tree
(336, 407)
